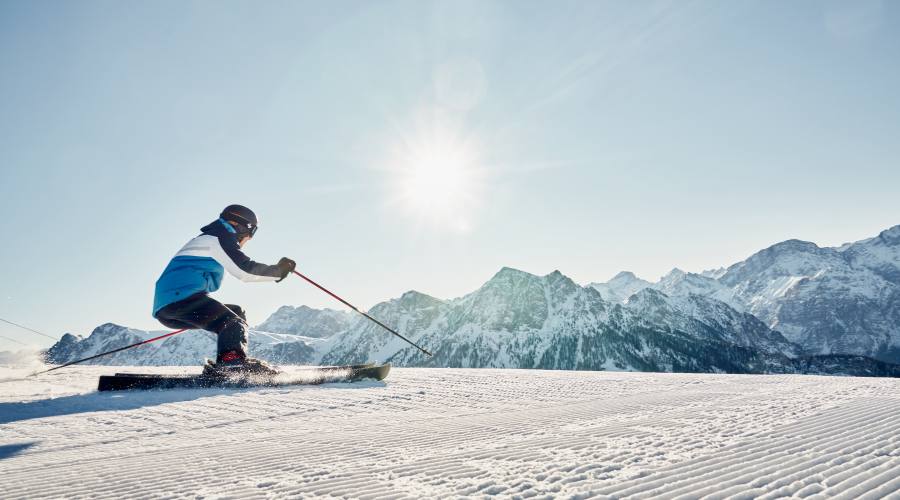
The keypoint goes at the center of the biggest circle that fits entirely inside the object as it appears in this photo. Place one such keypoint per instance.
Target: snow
(622, 286)
(455, 432)
(781, 286)
(306, 321)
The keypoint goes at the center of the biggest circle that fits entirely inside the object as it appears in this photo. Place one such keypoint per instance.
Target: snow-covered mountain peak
(306, 321)
(678, 282)
(508, 282)
(681, 284)
(112, 329)
(791, 257)
(620, 287)
(411, 305)
(70, 337)
(415, 300)
(891, 236)
(623, 277)
(509, 298)
(713, 273)
(103, 338)
(62, 350)
(675, 274)
(793, 246)
(794, 259)
(557, 276)
(647, 297)
(561, 284)
(106, 327)
(880, 254)
(507, 276)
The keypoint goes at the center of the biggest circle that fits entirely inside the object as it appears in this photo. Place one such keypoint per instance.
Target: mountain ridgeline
(791, 308)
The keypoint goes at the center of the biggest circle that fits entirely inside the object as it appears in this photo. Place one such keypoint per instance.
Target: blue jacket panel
(185, 276)
(200, 265)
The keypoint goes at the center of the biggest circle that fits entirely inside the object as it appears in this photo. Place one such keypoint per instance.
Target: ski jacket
(200, 265)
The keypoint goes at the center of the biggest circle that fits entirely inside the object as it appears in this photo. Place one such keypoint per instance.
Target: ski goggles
(242, 229)
(248, 229)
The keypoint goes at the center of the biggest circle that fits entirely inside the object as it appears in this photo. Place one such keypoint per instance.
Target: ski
(304, 368)
(312, 375)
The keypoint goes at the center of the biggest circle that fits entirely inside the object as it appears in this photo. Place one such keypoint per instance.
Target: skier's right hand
(285, 265)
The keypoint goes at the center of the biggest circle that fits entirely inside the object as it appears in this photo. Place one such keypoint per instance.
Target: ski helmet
(246, 219)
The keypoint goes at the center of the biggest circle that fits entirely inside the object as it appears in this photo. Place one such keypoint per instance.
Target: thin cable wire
(14, 340)
(29, 329)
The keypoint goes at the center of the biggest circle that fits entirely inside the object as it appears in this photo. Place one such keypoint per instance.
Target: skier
(182, 291)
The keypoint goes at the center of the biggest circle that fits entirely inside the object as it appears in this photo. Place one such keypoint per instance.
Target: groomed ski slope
(457, 433)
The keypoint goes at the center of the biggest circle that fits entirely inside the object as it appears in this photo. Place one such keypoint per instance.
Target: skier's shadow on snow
(126, 400)
(8, 450)
(96, 401)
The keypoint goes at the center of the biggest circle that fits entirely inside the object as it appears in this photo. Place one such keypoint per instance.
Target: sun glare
(438, 181)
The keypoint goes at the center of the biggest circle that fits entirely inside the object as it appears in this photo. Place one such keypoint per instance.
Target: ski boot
(235, 364)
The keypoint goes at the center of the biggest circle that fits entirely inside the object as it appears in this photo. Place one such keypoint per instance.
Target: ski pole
(351, 306)
(70, 363)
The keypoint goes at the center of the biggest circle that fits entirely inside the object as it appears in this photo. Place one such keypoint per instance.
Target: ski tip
(378, 372)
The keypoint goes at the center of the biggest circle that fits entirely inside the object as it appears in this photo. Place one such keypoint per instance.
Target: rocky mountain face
(708, 318)
(881, 254)
(291, 335)
(515, 320)
(843, 300)
(827, 300)
(306, 321)
(682, 284)
(519, 320)
(791, 308)
(187, 349)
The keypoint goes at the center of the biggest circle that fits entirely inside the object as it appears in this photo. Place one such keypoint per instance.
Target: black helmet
(246, 219)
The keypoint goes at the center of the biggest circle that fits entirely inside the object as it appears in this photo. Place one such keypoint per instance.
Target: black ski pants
(227, 321)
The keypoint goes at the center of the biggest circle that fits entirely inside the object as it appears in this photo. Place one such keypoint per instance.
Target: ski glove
(285, 265)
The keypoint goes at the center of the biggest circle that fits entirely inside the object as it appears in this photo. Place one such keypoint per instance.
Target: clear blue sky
(390, 146)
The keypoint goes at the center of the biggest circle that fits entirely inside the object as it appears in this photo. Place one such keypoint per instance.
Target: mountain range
(840, 300)
(791, 308)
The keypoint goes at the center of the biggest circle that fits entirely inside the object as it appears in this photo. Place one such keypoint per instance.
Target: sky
(390, 146)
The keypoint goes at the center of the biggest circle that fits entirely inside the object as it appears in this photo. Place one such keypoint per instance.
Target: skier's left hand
(285, 265)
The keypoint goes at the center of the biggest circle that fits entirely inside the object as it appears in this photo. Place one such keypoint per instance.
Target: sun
(437, 179)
